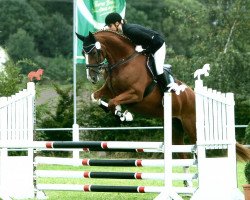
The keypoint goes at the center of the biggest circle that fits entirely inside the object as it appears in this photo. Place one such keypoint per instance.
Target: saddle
(166, 67)
(152, 69)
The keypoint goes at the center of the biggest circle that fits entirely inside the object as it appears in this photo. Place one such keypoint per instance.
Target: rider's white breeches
(159, 58)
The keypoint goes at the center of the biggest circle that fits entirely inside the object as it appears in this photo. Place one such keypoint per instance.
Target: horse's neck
(117, 47)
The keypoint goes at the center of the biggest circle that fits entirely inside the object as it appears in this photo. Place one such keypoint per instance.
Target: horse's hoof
(128, 116)
(118, 108)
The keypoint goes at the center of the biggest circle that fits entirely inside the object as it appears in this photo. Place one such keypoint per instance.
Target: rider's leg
(159, 58)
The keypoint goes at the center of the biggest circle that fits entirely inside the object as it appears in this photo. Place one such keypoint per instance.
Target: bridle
(104, 64)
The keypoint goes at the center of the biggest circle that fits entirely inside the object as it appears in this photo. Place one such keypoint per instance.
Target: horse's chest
(118, 83)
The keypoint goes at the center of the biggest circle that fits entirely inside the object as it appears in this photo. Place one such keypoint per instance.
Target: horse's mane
(118, 34)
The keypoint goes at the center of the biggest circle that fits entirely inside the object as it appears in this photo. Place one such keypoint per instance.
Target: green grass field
(63, 195)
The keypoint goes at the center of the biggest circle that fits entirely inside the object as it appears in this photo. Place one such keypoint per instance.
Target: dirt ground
(46, 95)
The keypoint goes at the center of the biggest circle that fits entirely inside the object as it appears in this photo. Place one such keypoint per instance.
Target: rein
(105, 65)
(123, 61)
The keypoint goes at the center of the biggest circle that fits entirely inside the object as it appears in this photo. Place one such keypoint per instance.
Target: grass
(75, 195)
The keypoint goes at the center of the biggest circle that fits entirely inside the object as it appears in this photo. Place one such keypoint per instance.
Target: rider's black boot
(163, 81)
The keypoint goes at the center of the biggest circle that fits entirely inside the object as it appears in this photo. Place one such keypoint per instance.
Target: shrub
(247, 134)
(247, 172)
(9, 79)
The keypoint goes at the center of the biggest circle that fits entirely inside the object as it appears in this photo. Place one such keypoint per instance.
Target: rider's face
(114, 27)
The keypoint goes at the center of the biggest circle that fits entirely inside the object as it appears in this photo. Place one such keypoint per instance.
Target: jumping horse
(129, 82)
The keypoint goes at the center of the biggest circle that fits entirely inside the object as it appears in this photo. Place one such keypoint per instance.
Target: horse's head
(95, 59)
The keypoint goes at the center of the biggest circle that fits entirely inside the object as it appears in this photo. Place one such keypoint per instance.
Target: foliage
(20, 45)
(10, 79)
(247, 134)
(247, 172)
(27, 65)
(57, 69)
(56, 37)
(16, 15)
(242, 110)
(59, 117)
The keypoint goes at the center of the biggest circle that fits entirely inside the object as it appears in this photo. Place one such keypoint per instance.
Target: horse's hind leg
(189, 126)
(178, 135)
(178, 139)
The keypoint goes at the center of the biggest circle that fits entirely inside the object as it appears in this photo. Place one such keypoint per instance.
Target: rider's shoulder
(133, 27)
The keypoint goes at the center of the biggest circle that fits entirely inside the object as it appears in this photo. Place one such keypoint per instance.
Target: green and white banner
(90, 16)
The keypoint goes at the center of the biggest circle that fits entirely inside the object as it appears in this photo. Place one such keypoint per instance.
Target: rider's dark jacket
(147, 38)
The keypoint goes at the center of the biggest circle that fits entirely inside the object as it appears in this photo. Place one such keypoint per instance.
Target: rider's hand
(139, 48)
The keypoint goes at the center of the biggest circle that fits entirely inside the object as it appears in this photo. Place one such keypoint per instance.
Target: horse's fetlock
(118, 108)
(112, 104)
(93, 99)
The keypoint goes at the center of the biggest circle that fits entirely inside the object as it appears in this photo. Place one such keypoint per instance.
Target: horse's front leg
(97, 95)
(127, 97)
(102, 92)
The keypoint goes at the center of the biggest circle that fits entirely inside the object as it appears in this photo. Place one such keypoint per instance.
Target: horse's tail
(243, 153)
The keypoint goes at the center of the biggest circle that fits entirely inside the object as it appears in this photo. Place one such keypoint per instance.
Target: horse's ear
(80, 37)
(92, 37)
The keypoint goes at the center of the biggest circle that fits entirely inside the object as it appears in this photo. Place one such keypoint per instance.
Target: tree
(63, 7)
(15, 15)
(178, 21)
(21, 45)
(56, 38)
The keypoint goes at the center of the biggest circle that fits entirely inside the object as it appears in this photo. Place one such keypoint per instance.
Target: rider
(149, 40)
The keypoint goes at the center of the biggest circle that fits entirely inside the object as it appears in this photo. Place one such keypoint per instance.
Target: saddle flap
(166, 67)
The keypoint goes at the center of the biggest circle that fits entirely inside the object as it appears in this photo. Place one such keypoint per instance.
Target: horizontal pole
(100, 188)
(95, 145)
(104, 175)
(113, 162)
(102, 128)
(112, 175)
(104, 188)
(99, 149)
(112, 128)
(98, 146)
(183, 148)
(137, 163)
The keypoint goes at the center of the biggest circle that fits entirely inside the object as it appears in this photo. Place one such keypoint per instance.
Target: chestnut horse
(127, 80)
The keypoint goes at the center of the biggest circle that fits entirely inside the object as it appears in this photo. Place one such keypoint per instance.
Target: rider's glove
(139, 48)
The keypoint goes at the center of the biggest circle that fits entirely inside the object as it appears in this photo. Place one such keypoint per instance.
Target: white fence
(17, 124)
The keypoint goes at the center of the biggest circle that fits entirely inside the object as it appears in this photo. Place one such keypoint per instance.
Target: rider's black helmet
(111, 18)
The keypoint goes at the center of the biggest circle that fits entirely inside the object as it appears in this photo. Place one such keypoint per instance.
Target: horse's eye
(92, 53)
